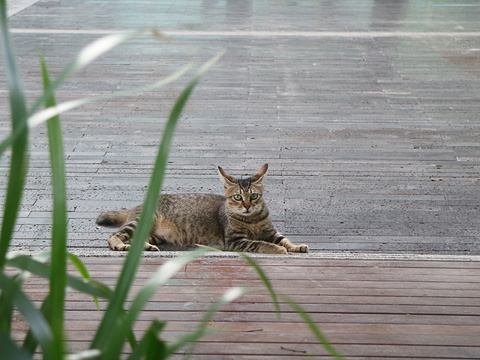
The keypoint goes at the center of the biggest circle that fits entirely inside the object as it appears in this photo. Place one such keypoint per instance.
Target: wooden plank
(368, 309)
(78, 300)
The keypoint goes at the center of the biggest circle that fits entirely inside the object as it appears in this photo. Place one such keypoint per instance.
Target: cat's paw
(121, 247)
(300, 248)
(280, 250)
(150, 247)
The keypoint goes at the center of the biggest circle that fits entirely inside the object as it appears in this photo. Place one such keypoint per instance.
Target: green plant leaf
(85, 355)
(79, 265)
(10, 349)
(43, 115)
(151, 347)
(86, 56)
(19, 158)
(6, 300)
(27, 263)
(163, 274)
(192, 338)
(38, 324)
(314, 328)
(35, 118)
(58, 274)
(266, 282)
(145, 222)
(30, 343)
(82, 269)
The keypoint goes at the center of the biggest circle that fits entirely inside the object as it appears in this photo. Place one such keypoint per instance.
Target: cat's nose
(246, 205)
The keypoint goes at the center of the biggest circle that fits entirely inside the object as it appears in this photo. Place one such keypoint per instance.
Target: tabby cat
(238, 221)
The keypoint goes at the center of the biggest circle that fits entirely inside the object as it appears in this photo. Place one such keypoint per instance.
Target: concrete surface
(366, 111)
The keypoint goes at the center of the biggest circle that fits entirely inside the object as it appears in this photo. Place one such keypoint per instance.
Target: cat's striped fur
(238, 221)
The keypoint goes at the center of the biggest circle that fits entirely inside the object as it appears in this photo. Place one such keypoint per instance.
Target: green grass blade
(192, 338)
(38, 268)
(37, 322)
(79, 265)
(10, 349)
(19, 158)
(314, 328)
(266, 282)
(85, 355)
(146, 219)
(86, 56)
(164, 273)
(82, 269)
(30, 343)
(42, 116)
(58, 275)
(305, 317)
(6, 300)
(151, 346)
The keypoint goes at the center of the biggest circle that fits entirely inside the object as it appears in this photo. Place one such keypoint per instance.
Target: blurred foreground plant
(46, 324)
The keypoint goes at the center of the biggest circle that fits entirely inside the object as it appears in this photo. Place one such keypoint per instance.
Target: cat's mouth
(246, 212)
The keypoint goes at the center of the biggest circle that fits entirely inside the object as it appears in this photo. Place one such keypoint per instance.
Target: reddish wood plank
(368, 309)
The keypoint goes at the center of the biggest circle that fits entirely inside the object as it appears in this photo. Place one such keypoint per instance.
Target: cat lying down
(238, 221)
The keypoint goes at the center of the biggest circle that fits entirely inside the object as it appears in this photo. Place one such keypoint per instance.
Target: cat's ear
(260, 174)
(226, 177)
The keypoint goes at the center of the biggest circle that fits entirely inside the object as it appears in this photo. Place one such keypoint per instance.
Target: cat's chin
(244, 213)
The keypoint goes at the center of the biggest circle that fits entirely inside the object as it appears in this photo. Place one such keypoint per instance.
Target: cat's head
(244, 196)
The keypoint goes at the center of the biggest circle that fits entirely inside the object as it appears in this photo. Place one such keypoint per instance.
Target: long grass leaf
(79, 265)
(82, 269)
(85, 355)
(192, 338)
(266, 282)
(58, 275)
(151, 345)
(146, 219)
(42, 116)
(6, 300)
(19, 159)
(87, 55)
(164, 273)
(38, 268)
(30, 343)
(314, 328)
(32, 315)
(10, 349)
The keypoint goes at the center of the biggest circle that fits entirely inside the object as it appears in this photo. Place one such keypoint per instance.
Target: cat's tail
(112, 218)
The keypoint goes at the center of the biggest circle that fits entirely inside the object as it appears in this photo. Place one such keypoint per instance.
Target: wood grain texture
(367, 309)
(366, 111)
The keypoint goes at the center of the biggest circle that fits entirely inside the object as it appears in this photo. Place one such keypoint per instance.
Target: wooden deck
(368, 309)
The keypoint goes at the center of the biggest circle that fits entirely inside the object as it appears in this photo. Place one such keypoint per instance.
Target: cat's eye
(254, 196)
(237, 197)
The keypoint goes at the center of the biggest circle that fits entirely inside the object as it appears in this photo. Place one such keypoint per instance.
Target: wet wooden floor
(368, 309)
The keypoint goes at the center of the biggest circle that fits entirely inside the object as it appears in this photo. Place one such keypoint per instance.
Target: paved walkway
(366, 111)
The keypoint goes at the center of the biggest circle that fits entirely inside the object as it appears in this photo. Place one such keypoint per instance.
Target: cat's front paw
(300, 248)
(121, 247)
(279, 250)
(150, 247)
